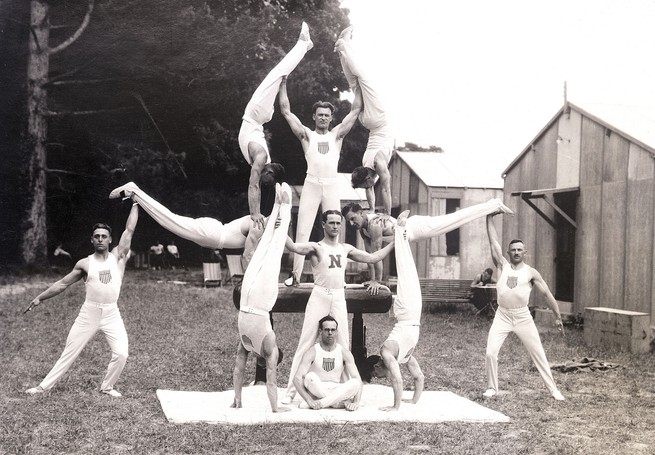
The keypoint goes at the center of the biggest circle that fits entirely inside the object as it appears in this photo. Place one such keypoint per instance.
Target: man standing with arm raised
(514, 287)
(322, 148)
(103, 276)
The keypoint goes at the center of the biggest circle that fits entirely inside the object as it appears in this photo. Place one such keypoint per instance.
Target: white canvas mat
(214, 407)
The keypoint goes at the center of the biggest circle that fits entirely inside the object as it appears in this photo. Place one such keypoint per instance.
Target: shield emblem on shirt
(512, 281)
(323, 147)
(104, 276)
(328, 364)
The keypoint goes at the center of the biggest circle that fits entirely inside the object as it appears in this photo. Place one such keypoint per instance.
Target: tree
(34, 242)
(154, 92)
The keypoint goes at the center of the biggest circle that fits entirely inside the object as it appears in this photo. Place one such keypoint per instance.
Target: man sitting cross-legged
(327, 376)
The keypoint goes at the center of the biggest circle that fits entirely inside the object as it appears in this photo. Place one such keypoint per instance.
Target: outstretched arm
(375, 241)
(254, 188)
(285, 108)
(353, 373)
(370, 258)
(496, 250)
(60, 286)
(385, 183)
(540, 283)
(349, 121)
(395, 376)
(238, 374)
(419, 378)
(299, 379)
(301, 248)
(123, 248)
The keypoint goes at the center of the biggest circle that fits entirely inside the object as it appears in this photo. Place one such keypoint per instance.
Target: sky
(481, 78)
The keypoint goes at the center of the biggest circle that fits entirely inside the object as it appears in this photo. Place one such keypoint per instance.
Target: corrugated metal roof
(346, 190)
(453, 171)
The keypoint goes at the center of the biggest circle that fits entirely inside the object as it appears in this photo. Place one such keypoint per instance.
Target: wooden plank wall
(639, 231)
(545, 247)
(587, 258)
(613, 220)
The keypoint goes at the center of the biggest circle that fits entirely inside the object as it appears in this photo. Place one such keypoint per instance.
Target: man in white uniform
(322, 148)
(513, 288)
(329, 259)
(373, 117)
(319, 379)
(206, 232)
(259, 291)
(260, 110)
(377, 229)
(399, 346)
(103, 276)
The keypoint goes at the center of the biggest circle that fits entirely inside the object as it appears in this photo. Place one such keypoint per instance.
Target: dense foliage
(153, 91)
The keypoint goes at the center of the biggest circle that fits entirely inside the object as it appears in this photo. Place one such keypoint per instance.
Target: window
(452, 237)
(447, 244)
(413, 187)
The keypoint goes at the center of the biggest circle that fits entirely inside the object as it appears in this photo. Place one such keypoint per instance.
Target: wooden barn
(583, 191)
(437, 183)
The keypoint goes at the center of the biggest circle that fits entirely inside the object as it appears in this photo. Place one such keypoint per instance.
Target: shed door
(565, 258)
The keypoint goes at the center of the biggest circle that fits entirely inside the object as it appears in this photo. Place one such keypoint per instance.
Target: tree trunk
(34, 242)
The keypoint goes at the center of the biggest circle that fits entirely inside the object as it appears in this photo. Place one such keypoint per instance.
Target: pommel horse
(358, 301)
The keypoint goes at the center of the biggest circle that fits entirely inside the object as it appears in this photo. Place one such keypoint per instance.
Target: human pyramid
(323, 373)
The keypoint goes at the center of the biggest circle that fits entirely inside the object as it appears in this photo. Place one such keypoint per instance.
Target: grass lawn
(184, 337)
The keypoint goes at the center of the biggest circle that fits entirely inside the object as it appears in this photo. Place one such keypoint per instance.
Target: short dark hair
(351, 207)
(513, 241)
(489, 270)
(325, 319)
(101, 226)
(367, 367)
(279, 172)
(329, 212)
(326, 104)
(360, 174)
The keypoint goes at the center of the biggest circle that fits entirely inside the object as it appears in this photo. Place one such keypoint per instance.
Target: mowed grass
(184, 337)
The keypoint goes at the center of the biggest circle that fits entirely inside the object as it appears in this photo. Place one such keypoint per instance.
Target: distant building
(434, 183)
(584, 192)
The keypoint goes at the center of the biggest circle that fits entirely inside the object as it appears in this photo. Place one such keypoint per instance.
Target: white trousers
(521, 323)
(91, 319)
(261, 106)
(408, 301)
(421, 227)
(206, 232)
(331, 394)
(373, 116)
(321, 302)
(259, 288)
(315, 191)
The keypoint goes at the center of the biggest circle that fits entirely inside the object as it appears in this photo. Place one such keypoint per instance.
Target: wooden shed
(583, 190)
(437, 183)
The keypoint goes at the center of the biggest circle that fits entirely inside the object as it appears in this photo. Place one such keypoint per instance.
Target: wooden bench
(445, 291)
